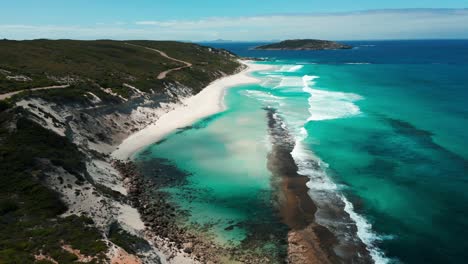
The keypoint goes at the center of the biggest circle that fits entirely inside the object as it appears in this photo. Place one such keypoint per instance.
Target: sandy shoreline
(208, 102)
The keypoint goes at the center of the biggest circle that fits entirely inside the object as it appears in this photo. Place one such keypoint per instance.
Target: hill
(61, 199)
(304, 44)
(109, 64)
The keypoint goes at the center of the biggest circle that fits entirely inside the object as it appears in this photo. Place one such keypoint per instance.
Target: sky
(245, 20)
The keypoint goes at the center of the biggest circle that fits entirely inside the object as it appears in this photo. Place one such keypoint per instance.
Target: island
(305, 44)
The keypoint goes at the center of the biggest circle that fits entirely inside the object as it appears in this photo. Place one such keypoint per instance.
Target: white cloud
(147, 23)
(376, 24)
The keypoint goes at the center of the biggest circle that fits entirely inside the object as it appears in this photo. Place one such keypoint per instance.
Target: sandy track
(8, 95)
(163, 74)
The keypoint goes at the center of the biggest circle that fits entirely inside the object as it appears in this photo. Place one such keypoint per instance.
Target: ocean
(379, 130)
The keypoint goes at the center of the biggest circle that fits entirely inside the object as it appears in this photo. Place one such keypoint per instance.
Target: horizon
(240, 22)
(300, 131)
(239, 41)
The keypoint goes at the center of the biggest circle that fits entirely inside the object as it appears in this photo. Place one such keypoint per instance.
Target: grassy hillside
(205, 61)
(110, 64)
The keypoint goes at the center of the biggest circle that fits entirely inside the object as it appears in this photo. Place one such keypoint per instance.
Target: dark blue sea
(380, 130)
(403, 159)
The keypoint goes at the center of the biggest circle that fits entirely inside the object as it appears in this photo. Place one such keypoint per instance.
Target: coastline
(172, 244)
(107, 197)
(307, 240)
(231, 183)
(207, 102)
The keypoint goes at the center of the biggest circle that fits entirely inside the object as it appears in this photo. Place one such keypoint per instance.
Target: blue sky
(193, 20)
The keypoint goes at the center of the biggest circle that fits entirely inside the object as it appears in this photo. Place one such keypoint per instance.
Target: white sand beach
(208, 102)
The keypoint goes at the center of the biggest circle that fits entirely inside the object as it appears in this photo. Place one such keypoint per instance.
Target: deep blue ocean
(387, 123)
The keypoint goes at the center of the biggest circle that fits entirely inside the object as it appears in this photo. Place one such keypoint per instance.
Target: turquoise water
(386, 122)
(403, 160)
(228, 190)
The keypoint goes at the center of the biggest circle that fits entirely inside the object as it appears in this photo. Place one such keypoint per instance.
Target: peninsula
(305, 44)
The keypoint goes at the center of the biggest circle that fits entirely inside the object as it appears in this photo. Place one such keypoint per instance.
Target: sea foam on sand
(208, 102)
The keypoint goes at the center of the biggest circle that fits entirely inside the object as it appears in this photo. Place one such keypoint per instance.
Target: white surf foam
(270, 82)
(295, 68)
(290, 82)
(365, 233)
(290, 68)
(265, 97)
(326, 105)
(330, 105)
(323, 191)
(276, 116)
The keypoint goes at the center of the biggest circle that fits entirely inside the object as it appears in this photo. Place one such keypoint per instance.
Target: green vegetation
(304, 44)
(206, 61)
(78, 93)
(4, 106)
(109, 64)
(12, 85)
(30, 142)
(29, 222)
(130, 243)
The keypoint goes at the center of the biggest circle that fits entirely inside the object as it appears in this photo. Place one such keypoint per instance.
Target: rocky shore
(169, 229)
(163, 222)
(308, 241)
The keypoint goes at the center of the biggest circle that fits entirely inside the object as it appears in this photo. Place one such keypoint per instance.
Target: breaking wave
(290, 68)
(334, 210)
(325, 105)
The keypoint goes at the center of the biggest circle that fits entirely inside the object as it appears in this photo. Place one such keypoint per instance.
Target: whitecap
(323, 190)
(290, 68)
(296, 68)
(295, 81)
(324, 105)
(264, 97)
(365, 233)
(270, 82)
